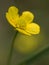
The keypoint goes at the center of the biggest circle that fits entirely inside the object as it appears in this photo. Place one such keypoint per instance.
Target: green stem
(37, 54)
(11, 51)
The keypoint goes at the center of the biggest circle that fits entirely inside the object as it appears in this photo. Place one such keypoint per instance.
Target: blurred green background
(40, 56)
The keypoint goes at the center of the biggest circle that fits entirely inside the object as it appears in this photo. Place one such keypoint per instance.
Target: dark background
(40, 8)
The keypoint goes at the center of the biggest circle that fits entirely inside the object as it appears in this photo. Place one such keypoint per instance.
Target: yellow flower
(22, 23)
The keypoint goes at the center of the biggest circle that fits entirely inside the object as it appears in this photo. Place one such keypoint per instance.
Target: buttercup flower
(23, 23)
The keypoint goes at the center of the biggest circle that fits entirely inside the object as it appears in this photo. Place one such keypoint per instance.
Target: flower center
(21, 23)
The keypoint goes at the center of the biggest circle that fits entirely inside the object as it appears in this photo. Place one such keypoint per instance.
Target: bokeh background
(40, 56)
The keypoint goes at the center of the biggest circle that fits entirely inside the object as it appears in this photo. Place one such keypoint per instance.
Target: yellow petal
(12, 16)
(13, 11)
(10, 20)
(27, 16)
(33, 28)
(23, 31)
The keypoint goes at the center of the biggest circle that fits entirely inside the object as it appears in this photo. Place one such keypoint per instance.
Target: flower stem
(11, 51)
